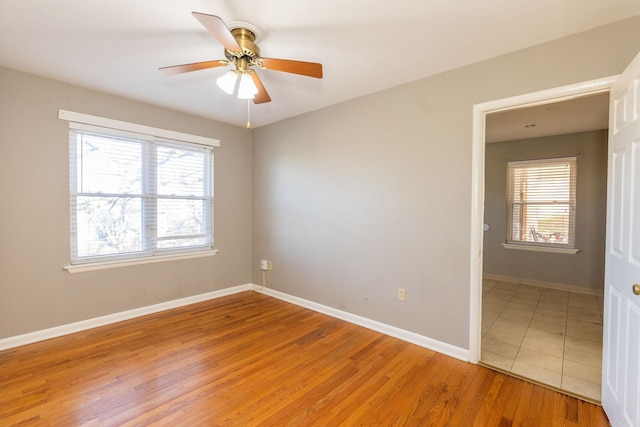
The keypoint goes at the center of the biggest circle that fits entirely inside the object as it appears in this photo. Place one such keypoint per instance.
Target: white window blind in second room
(541, 202)
(135, 195)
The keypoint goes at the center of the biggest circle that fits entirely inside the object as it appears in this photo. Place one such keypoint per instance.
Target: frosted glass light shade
(227, 82)
(247, 89)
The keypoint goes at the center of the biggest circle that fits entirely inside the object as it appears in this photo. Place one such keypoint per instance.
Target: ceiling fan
(241, 50)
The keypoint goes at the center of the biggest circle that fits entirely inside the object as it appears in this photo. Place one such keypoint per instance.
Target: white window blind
(135, 195)
(541, 202)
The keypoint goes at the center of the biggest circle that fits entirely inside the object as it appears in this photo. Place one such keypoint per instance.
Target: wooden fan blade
(310, 69)
(262, 96)
(185, 68)
(216, 26)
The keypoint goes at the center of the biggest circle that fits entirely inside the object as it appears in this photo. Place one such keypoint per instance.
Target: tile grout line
(494, 320)
(526, 330)
(499, 314)
(501, 311)
(564, 339)
(512, 296)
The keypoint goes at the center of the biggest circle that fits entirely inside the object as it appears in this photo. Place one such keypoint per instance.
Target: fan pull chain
(248, 114)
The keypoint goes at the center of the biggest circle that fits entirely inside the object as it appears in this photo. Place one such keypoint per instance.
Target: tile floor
(550, 336)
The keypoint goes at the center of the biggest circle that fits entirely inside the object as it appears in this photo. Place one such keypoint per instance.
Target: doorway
(520, 297)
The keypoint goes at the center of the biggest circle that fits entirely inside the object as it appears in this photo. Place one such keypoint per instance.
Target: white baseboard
(83, 325)
(421, 340)
(543, 284)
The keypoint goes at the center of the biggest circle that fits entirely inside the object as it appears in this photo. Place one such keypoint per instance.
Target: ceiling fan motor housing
(246, 40)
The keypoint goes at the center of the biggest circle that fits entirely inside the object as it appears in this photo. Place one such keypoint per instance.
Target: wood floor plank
(249, 360)
(474, 398)
(426, 382)
(588, 415)
(520, 416)
(506, 403)
(478, 418)
(388, 375)
(545, 415)
(436, 399)
(535, 405)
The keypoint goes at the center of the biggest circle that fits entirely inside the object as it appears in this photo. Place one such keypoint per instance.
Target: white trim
(543, 161)
(421, 340)
(477, 185)
(83, 325)
(543, 97)
(543, 284)
(534, 248)
(81, 268)
(88, 119)
(475, 238)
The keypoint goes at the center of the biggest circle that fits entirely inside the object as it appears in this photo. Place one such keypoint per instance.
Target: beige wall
(356, 200)
(349, 202)
(35, 292)
(586, 268)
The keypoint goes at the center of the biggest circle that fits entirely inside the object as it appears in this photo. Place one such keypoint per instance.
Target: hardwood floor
(251, 360)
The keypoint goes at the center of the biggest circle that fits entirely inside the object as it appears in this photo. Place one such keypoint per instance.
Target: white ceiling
(582, 114)
(364, 46)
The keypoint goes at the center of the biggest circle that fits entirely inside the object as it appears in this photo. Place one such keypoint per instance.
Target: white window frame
(118, 128)
(543, 246)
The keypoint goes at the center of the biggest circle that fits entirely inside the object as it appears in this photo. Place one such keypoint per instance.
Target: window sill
(81, 268)
(568, 251)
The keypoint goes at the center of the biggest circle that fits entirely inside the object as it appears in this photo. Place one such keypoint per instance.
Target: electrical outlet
(402, 294)
(269, 265)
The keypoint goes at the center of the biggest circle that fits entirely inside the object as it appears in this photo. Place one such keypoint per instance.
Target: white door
(621, 355)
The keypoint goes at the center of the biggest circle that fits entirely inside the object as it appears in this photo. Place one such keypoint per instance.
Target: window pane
(186, 242)
(181, 171)
(517, 228)
(541, 201)
(541, 223)
(108, 165)
(181, 217)
(543, 183)
(108, 225)
(132, 195)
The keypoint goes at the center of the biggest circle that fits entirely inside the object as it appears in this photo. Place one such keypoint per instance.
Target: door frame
(480, 111)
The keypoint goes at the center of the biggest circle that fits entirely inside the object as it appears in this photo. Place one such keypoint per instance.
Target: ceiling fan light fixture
(247, 88)
(227, 82)
(240, 49)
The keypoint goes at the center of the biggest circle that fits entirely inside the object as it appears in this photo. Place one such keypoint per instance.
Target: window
(135, 195)
(541, 202)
